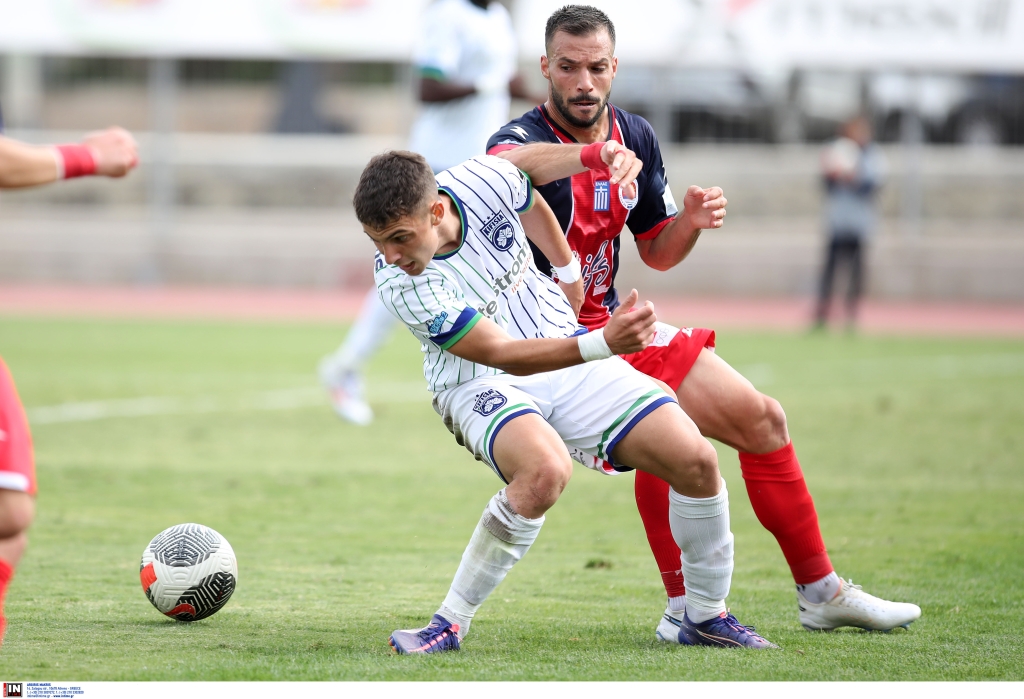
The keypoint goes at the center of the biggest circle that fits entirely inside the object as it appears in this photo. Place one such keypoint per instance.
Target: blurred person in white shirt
(466, 60)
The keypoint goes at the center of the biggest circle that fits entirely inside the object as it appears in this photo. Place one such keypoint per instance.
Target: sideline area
(784, 314)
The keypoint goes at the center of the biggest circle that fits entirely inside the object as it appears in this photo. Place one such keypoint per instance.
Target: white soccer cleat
(854, 607)
(345, 389)
(668, 627)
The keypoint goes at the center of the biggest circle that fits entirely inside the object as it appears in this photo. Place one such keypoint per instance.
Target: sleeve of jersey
(656, 207)
(511, 135)
(433, 308)
(438, 51)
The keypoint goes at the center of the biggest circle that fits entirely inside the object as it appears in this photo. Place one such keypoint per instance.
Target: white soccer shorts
(591, 406)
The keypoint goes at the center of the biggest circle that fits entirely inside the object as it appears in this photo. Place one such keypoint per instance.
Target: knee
(698, 475)
(774, 421)
(543, 484)
(16, 513)
(765, 429)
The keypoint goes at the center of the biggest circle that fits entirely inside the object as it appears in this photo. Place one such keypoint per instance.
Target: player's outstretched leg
(667, 444)
(726, 406)
(532, 457)
(341, 372)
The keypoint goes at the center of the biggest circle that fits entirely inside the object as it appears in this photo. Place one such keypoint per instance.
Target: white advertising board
(338, 29)
(926, 35)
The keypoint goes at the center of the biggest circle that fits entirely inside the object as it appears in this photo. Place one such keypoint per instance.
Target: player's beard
(562, 107)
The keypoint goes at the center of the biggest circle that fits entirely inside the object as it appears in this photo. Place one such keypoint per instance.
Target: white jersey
(462, 43)
(490, 275)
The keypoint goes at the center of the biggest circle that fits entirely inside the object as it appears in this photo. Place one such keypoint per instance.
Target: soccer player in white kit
(516, 379)
(467, 64)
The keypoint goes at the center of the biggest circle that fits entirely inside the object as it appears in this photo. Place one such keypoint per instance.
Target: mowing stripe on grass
(145, 406)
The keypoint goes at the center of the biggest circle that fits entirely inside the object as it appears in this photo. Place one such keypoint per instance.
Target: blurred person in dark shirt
(853, 168)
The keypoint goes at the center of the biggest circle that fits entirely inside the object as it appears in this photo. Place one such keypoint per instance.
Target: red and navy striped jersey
(589, 210)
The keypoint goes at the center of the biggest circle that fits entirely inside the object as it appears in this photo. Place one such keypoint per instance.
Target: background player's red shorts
(17, 471)
(672, 353)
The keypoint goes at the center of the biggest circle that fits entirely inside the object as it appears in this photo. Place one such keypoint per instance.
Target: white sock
(701, 528)
(500, 539)
(821, 591)
(366, 335)
(677, 606)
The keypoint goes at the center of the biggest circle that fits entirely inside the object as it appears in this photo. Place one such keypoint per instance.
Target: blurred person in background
(565, 144)
(111, 153)
(466, 60)
(853, 168)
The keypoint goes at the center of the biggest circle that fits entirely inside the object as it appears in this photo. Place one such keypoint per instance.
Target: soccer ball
(188, 572)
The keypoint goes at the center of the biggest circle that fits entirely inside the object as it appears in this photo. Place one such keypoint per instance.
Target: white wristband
(593, 346)
(570, 273)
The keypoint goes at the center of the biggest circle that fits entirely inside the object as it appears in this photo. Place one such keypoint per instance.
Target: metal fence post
(163, 83)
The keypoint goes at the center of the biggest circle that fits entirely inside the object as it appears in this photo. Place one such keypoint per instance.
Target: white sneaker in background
(345, 390)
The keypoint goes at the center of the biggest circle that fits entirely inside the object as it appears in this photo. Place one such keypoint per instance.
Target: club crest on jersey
(602, 195)
(499, 231)
(489, 401)
(437, 322)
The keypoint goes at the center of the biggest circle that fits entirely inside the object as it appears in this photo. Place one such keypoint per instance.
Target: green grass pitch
(912, 448)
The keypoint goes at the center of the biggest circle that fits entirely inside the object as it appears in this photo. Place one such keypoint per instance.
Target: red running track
(779, 314)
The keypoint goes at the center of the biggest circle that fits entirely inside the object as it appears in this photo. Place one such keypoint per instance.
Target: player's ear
(436, 212)
(545, 67)
(615, 66)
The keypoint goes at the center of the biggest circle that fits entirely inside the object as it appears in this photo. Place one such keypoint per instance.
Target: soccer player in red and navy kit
(600, 168)
(112, 153)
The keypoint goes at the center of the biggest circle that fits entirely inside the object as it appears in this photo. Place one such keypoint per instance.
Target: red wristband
(78, 160)
(590, 156)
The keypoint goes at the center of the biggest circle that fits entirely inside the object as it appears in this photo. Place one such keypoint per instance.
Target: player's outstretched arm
(547, 162)
(22, 165)
(111, 152)
(629, 330)
(541, 227)
(702, 208)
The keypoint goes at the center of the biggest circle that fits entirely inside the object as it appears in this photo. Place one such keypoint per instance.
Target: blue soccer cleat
(723, 630)
(438, 636)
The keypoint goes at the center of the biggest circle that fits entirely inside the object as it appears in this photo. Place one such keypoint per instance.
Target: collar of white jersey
(460, 207)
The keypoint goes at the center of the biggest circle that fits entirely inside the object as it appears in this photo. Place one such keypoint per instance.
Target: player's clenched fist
(622, 162)
(630, 329)
(705, 207)
(114, 151)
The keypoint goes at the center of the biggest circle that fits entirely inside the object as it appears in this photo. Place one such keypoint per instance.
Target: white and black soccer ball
(188, 571)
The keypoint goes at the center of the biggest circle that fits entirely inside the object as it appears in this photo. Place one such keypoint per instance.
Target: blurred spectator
(853, 168)
(466, 60)
(302, 83)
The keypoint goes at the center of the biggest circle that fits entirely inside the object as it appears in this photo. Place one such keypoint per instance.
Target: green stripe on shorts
(501, 414)
(621, 418)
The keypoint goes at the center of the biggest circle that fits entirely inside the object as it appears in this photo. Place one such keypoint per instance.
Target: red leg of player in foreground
(17, 482)
(725, 406)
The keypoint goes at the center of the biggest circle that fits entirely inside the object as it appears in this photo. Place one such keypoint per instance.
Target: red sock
(652, 501)
(782, 503)
(6, 573)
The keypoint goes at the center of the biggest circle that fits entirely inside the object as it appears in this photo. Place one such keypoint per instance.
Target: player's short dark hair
(577, 20)
(393, 184)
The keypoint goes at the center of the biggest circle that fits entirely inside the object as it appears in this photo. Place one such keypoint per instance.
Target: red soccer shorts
(17, 470)
(672, 353)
